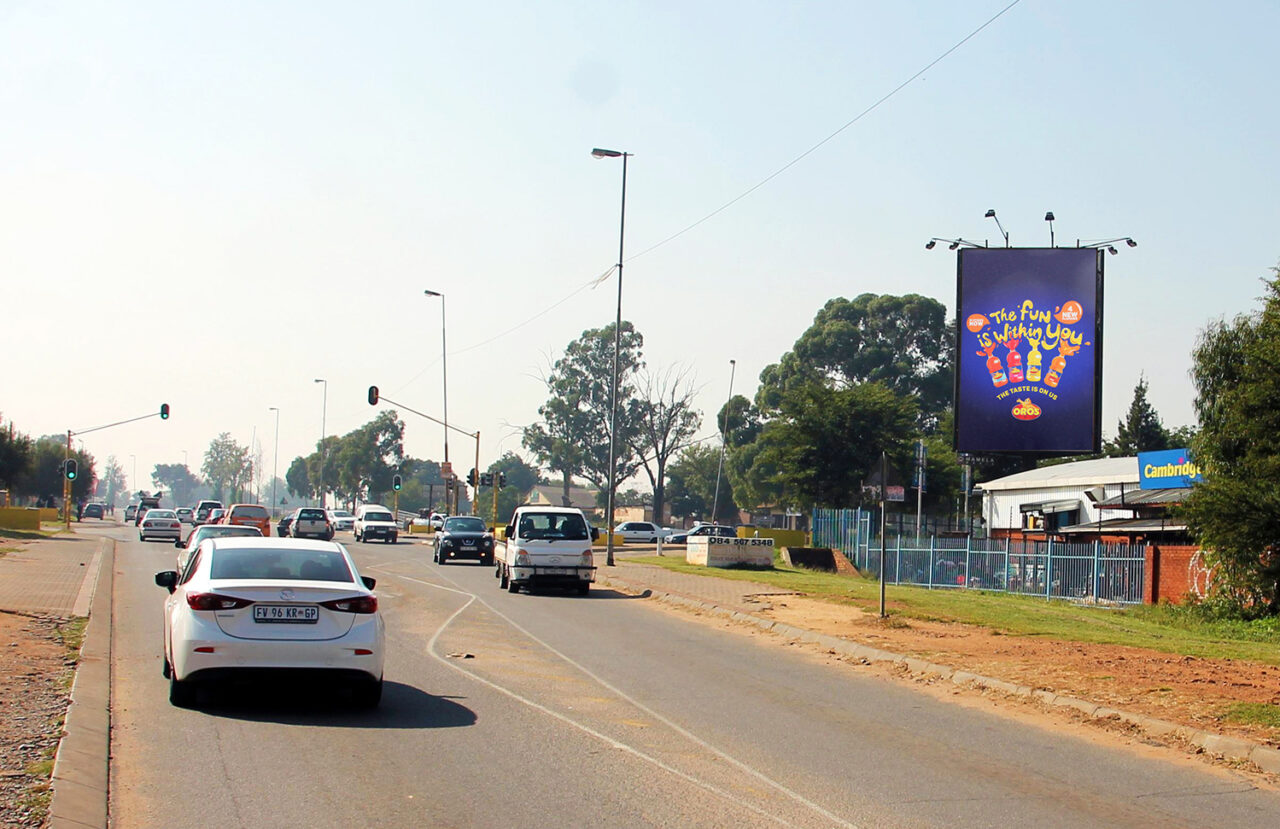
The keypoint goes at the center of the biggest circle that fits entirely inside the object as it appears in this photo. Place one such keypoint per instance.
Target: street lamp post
(444, 361)
(617, 347)
(724, 438)
(275, 461)
(324, 412)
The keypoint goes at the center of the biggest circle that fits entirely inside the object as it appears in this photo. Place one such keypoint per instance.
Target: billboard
(1167, 469)
(1028, 351)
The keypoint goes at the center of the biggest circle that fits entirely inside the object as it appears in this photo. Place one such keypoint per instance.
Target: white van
(548, 546)
(375, 521)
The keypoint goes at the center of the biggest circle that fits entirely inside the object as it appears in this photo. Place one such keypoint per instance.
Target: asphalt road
(556, 710)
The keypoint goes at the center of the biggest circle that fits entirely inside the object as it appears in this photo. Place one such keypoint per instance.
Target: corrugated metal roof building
(1054, 497)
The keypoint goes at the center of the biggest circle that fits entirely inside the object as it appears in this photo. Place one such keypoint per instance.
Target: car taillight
(355, 604)
(214, 601)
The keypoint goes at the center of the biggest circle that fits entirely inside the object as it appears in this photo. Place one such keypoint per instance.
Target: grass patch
(4, 551)
(25, 535)
(1164, 628)
(71, 634)
(1254, 713)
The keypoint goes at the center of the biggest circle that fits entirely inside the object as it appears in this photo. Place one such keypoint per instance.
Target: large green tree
(692, 481)
(572, 437)
(44, 477)
(16, 453)
(1140, 430)
(227, 468)
(113, 486)
(902, 342)
(177, 480)
(1235, 513)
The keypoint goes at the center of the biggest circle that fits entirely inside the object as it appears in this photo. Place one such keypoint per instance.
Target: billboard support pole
(884, 479)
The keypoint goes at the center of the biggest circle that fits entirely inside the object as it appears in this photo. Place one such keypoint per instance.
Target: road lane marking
(473, 598)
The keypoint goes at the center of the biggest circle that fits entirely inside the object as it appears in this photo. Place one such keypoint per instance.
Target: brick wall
(1173, 572)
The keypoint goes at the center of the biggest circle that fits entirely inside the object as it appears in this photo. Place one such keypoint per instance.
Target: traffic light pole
(163, 414)
(375, 397)
(66, 485)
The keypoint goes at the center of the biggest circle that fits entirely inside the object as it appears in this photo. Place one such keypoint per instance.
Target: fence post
(897, 565)
(1048, 569)
(1005, 575)
(1097, 549)
(968, 545)
(930, 562)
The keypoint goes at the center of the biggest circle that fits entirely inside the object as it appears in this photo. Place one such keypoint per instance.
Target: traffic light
(395, 482)
(502, 480)
(471, 477)
(373, 395)
(69, 469)
(164, 411)
(486, 479)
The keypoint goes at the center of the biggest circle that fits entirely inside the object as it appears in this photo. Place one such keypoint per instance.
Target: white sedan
(160, 523)
(642, 531)
(243, 606)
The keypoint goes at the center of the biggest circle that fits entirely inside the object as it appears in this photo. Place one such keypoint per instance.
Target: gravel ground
(36, 669)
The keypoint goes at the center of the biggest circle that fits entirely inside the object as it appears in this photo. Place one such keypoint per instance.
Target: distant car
(463, 536)
(204, 508)
(204, 531)
(249, 515)
(130, 511)
(186, 515)
(282, 526)
(252, 606)
(714, 530)
(437, 520)
(160, 523)
(94, 511)
(215, 516)
(375, 521)
(642, 531)
(311, 522)
(341, 519)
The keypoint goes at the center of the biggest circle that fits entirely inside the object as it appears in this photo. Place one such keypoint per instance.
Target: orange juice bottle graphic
(994, 368)
(1014, 361)
(1033, 361)
(1059, 363)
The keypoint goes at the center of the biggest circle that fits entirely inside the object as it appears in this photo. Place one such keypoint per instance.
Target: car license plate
(558, 571)
(468, 546)
(286, 614)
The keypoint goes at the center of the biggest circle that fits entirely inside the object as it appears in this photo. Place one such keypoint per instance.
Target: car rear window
(311, 514)
(225, 530)
(251, 511)
(296, 565)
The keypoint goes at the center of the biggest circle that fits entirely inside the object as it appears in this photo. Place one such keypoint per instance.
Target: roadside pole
(884, 486)
(495, 501)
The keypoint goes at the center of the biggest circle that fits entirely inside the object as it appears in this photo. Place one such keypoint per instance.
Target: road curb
(80, 767)
(1229, 748)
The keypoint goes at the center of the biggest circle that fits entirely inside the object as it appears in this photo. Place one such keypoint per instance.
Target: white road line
(472, 598)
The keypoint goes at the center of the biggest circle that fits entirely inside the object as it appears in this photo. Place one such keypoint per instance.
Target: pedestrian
(79, 509)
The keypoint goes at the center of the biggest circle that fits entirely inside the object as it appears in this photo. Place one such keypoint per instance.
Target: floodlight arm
(1105, 242)
(952, 244)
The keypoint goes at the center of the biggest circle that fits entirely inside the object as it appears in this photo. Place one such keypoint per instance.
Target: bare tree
(667, 423)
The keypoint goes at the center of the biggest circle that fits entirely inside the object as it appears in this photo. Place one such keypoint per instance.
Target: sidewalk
(71, 576)
(742, 601)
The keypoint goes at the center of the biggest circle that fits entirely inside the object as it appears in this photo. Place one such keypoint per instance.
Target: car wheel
(181, 694)
(503, 578)
(358, 538)
(513, 586)
(165, 670)
(584, 587)
(653, 540)
(487, 561)
(368, 694)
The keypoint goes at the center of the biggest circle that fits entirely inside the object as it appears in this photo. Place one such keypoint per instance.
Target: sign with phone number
(741, 542)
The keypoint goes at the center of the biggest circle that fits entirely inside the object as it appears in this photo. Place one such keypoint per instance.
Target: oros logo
(976, 322)
(1070, 313)
(1026, 410)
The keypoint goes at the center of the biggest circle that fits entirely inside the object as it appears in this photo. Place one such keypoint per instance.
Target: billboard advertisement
(1167, 469)
(1029, 351)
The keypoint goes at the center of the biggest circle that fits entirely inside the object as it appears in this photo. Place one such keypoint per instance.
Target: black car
(463, 536)
(282, 526)
(93, 511)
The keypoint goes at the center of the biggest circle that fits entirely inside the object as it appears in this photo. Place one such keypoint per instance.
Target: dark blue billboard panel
(1029, 351)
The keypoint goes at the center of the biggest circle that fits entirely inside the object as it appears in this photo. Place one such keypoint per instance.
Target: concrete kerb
(1228, 748)
(80, 768)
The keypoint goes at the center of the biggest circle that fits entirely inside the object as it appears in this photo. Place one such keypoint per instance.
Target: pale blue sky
(232, 199)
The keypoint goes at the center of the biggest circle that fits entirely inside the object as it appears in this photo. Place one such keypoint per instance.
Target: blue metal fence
(1054, 570)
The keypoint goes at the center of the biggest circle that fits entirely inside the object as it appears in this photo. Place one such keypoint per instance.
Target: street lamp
(617, 347)
(324, 412)
(724, 438)
(444, 361)
(275, 461)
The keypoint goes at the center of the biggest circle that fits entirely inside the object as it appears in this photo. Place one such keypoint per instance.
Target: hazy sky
(213, 204)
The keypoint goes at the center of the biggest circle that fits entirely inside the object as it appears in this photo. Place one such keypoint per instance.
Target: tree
(113, 485)
(1140, 430)
(366, 458)
(16, 454)
(177, 480)
(1235, 512)
(298, 479)
(667, 423)
(573, 435)
(227, 467)
(521, 477)
(45, 476)
(825, 441)
(692, 480)
(903, 342)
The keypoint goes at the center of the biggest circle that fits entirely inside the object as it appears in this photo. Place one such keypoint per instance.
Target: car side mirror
(595, 533)
(167, 579)
(511, 530)
(369, 581)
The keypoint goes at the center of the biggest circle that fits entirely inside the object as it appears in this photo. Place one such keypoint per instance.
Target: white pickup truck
(548, 546)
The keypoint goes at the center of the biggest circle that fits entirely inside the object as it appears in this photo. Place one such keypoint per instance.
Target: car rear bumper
(241, 655)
